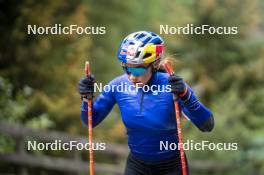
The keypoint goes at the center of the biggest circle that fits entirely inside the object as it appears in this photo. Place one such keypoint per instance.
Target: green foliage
(14, 109)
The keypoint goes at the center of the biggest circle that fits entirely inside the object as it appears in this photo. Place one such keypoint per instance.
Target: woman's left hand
(177, 85)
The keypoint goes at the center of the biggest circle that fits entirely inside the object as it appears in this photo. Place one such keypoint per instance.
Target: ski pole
(169, 69)
(90, 122)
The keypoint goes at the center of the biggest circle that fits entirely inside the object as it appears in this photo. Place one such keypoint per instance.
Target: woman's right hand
(86, 85)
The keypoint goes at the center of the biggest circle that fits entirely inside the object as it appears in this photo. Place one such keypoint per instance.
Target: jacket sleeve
(200, 115)
(101, 107)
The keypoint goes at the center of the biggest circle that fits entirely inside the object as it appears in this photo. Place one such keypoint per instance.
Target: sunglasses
(135, 71)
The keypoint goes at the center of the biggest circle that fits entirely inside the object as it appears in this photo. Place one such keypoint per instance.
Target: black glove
(86, 85)
(177, 85)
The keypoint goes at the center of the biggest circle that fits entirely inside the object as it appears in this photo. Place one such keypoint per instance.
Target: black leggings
(172, 166)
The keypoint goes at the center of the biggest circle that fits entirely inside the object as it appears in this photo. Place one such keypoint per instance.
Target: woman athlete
(147, 108)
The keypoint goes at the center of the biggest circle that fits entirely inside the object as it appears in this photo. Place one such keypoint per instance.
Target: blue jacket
(148, 117)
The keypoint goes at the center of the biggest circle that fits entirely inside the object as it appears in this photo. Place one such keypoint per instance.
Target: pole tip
(86, 68)
(168, 66)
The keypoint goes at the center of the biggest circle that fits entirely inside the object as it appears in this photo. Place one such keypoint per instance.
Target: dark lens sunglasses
(135, 71)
